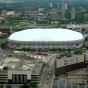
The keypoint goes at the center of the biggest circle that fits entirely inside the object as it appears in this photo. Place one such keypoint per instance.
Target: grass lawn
(48, 25)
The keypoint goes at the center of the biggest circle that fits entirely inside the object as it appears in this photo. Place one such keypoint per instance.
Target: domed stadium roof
(46, 35)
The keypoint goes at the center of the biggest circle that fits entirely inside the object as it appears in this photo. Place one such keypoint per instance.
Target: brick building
(7, 30)
(67, 64)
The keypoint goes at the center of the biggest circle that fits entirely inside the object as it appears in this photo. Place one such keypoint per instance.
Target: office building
(63, 9)
(18, 71)
(6, 30)
(10, 14)
(4, 13)
(67, 64)
(58, 6)
(72, 13)
(54, 15)
(50, 5)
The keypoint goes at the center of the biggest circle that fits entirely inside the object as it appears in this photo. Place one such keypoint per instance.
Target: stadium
(46, 38)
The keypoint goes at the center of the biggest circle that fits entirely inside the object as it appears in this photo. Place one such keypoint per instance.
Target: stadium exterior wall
(48, 44)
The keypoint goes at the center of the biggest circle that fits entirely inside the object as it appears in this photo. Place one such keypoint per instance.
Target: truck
(16, 52)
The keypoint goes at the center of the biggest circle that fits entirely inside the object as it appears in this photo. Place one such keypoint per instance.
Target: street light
(71, 85)
(85, 85)
(58, 84)
(78, 85)
(65, 85)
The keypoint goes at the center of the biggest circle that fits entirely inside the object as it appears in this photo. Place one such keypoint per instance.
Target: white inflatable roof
(45, 35)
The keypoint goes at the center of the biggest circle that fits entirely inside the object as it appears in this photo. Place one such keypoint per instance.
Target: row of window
(70, 61)
(19, 78)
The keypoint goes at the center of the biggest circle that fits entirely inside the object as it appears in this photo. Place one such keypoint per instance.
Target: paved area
(55, 85)
(2, 53)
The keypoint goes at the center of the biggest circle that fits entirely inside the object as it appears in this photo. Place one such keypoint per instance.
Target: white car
(4, 56)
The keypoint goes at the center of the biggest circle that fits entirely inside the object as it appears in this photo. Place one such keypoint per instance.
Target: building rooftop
(68, 58)
(22, 65)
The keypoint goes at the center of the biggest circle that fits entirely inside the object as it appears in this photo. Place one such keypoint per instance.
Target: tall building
(50, 5)
(4, 1)
(58, 6)
(72, 13)
(54, 15)
(63, 9)
(10, 14)
(4, 13)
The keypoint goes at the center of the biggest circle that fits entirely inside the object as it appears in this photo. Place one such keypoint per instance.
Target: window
(13, 78)
(25, 78)
(76, 59)
(65, 62)
(19, 78)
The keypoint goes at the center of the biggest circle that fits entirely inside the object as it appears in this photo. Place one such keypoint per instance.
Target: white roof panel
(46, 35)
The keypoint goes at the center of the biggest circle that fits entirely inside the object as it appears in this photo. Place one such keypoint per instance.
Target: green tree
(59, 49)
(32, 50)
(78, 52)
(3, 45)
(63, 50)
(62, 55)
(86, 38)
(53, 49)
(28, 49)
(1, 86)
(23, 49)
(8, 86)
(24, 86)
(33, 85)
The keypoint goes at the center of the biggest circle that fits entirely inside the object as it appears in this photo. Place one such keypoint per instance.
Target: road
(48, 74)
(45, 15)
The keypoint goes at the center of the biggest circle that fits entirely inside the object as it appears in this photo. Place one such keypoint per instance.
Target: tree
(1, 86)
(32, 50)
(62, 55)
(23, 49)
(24, 86)
(28, 49)
(8, 86)
(83, 46)
(33, 85)
(63, 50)
(86, 38)
(78, 52)
(3, 45)
(53, 49)
(59, 49)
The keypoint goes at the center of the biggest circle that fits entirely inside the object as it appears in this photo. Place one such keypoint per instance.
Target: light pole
(58, 84)
(65, 85)
(85, 85)
(71, 85)
(78, 85)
